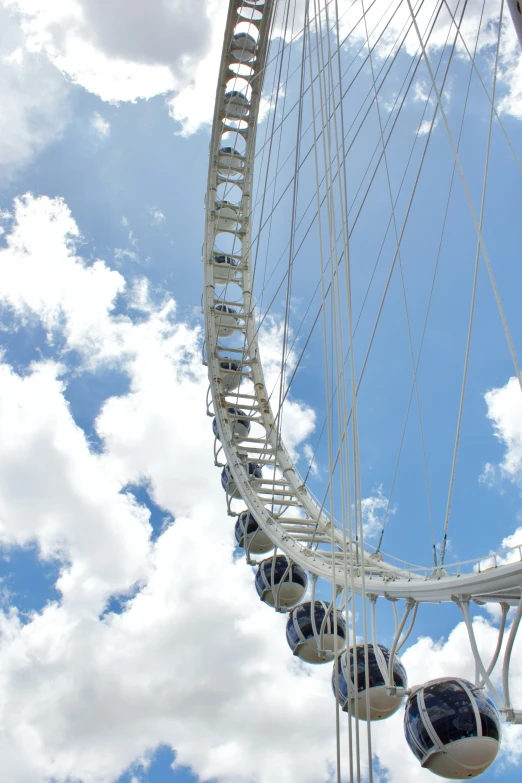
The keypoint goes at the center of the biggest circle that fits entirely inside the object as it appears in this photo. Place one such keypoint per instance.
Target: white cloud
(505, 411)
(168, 49)
(100, 126)
(33, 96)
(194, 661)
(162, 48)
(374, 512)
(86, 696)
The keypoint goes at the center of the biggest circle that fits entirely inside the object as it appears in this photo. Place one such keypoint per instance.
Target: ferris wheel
(353, 193)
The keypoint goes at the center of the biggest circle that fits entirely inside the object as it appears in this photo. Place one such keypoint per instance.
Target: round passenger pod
(250, 537)
(230, 159)
(243, 47)
(225, 320)
(224, 269)
(255, 474)
(236, 104)
(452, 728)
(230, 374)
(310, 632)
(240, 424)
(382, 703)
(227, 215)
(280, 583)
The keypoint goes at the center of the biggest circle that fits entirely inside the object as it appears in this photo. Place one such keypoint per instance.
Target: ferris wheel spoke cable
(328, 288)
(428, 137)
(305, 157)
(247, 355)
(346, 565)
(345, 41)
(289, 183)
(306, 233)
(363, 63)
(343, 194)
(415, 385)
(385, 61)
(329, 430)
(486, 92)
(442, 233)
(473, 297)
(328, 90)
(277, 92)
(462, 176)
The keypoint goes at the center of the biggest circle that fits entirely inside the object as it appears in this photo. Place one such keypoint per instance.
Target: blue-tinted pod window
(416, 735)
(450, 711)
(375, 678)
(291, 636)
(226, 259)
(229, 366)
(303, 617)
(488, 715)
(281, 573)
(342, 693)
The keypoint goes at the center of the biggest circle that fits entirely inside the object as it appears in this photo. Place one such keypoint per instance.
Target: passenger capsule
(230, 374)
(310, 632)
(243, 47)
(236, 104)
(227, 216)
(224, 271)
(239, 424)
(230, 159)
(255, 474)
(225, 320)
(382, 704)
(280, 583)
(250, 536)
(452, 728)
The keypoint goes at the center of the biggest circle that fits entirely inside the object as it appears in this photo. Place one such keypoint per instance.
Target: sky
(133, 646)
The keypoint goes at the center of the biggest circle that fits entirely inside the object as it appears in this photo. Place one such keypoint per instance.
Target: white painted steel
(285, 509)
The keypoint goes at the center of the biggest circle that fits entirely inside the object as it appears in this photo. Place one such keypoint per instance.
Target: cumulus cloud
(505, 411)
(171, 49)
(160, 48)
(375, 508)
(194, 660)
(33, 95)
(89, 694)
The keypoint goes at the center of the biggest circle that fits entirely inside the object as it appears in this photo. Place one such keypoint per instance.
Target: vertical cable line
(251, 370)
(392, 266)
(328, 289)
(412, 356)
(329, 109)
(327, 391)
(357, 504)
(473, 296)
(291, 252)
(483, 247)
(322, 201)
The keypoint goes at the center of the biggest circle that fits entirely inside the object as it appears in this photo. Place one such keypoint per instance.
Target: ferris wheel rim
(236, 111)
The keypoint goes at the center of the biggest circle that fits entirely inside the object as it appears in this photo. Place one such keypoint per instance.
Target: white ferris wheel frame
(304, 524)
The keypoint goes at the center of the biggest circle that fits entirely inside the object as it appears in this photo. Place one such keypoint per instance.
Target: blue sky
(132, 636)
